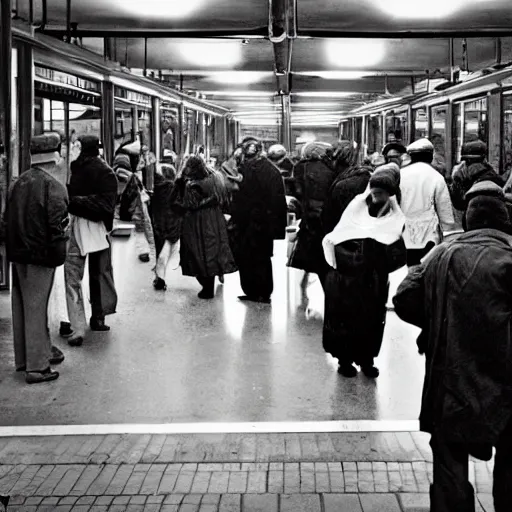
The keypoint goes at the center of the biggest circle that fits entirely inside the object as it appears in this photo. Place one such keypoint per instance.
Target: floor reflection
(172, 357)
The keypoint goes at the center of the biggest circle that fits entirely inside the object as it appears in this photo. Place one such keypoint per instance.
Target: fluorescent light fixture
(354, 53)
(336, 75)
(210, 53)
(237, 77)
(241, 94)
(324, 94)
(421, 10)
(171, 9)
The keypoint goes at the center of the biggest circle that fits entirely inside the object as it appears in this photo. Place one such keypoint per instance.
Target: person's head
(251, 148)
(317, 150)
(474, 152)
(195, 168)
(421, 150)
(45, 151)
(487, 212)
(384, 183)
(90, 146)
(393, 152)
(484, 188)
(169, 157)
(276, 152)
(345, 155)
(167, 171)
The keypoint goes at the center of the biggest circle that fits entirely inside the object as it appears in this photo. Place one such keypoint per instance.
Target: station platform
(191, 405)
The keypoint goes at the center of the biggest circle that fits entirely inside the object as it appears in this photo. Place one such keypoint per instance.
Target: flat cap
(420, 146)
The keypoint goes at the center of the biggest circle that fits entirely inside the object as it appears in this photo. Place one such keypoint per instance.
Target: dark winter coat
(204, 250)
(462, 299)
(93, 190)
(312, 182)
(166, 223)
(344, 188)
(35, 220)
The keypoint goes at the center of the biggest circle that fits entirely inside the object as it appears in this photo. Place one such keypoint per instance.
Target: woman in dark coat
(362, 250)
(205, 251)
(350, 181)
(312, 180)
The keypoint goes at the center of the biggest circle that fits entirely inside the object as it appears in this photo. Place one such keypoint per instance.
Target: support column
(226, 149)
(109, 48)
(495, 131)
(25, 90)
(156, 129)
(286, 122)
(181, 130)
(202, 130)
(450, 139)
(108, 121)
(135, 122)
(5, 120)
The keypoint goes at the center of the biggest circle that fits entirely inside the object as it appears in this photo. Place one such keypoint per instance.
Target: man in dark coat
(35, 222)
(259, 217)
(461, 298)
(92, 192)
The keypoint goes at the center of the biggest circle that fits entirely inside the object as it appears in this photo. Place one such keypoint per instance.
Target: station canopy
(344, 53)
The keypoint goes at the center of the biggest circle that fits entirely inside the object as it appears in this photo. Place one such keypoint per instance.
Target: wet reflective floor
(174, 358)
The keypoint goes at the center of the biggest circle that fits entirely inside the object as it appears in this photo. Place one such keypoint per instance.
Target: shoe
(144, 258)
(98, 325)
(261, 300)
(159, 284)
(204, 295)
(65, 330)
(37, 377)
(370, 371)
(56, 358)
(347, 370)
(57, 355)
(75, 342)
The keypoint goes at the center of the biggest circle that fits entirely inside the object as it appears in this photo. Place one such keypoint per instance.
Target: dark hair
(195, 169)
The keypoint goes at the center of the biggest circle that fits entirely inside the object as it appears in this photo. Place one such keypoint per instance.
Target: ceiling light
(237, 77)
(419, 9)
(336, 75)
(324, 94)
(354, 53)
(242, 94)
(211, 53)
(161, 8)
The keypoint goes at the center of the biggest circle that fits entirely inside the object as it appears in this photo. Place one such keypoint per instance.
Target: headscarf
(486, 212)
(386, 177)
(276, 152)
(345, 154)
(195, 169)
(356, 223)
(251, 148)
(316, 150)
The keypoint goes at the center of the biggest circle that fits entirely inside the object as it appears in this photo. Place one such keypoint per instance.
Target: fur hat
(487, 212)
(476, 149)
(484, 188)
(45, 148)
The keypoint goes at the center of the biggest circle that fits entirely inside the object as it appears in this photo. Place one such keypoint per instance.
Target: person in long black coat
(204, 251)
(363, 249)
(259, 215)
(312, 180)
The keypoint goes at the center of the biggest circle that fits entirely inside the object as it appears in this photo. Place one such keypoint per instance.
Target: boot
(98, 324)
(37, 377)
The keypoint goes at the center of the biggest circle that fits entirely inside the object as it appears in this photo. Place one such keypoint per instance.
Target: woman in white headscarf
(361, 251)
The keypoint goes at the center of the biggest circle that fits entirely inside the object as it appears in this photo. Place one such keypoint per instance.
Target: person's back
(36, 219)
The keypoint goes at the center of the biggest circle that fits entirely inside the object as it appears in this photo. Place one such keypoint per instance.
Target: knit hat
(386, 177)
(276, 152)
(487, 212)
(122, 161)
(420, 146)
(45, 148)
(394, 146)
(474, 150)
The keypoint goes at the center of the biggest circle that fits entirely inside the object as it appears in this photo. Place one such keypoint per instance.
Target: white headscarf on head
(356, 223)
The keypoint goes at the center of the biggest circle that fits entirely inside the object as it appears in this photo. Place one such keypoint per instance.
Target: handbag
(90, 236)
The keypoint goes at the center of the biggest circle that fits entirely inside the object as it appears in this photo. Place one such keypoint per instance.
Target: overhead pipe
(68, 21)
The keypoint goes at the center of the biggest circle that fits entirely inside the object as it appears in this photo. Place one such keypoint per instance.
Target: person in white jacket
(425, 202)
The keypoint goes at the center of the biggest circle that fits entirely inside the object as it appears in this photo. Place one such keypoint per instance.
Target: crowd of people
(359, 221)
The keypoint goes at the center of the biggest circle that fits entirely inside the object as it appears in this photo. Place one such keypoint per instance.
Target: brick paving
(141, 473)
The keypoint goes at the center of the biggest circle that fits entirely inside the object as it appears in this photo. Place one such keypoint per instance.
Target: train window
(123, 126)
(420, 123)
(358, 130)
(375, 134)
(83, 120)
(438, 135)
(396, 128)
(169, 132)
(507, 135)
(145, 127)
(475, 120)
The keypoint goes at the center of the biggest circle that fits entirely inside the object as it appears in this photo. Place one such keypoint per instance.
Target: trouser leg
(74, 274)
(36, 284)
(101, 284)
(451, 490)
(208, 284)
(502, 484)
(18, 317)
(148, 231)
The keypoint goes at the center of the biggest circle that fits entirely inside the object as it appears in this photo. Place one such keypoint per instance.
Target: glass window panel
(457, 115)
(438, 136)
(475, 120)
(507, 135)
(169, 132)
(374, 134)
(145, 127)
(396, 128)
(420, 123)
(123, 126)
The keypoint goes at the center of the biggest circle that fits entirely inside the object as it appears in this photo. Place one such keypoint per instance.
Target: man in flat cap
(425, 202)
(92, 192)
(35, 222)
(393, 152)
